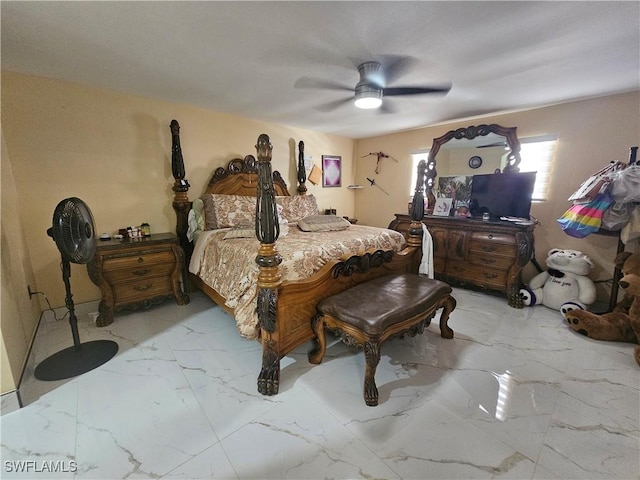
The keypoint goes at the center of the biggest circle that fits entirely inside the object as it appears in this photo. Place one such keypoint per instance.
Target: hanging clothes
(426, 265)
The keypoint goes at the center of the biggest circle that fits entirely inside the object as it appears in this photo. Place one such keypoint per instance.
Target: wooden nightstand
(135, 273)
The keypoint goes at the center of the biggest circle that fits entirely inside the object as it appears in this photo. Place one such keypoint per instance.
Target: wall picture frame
(331, 171)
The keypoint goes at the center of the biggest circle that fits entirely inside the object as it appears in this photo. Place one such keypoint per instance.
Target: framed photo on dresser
(442, 206)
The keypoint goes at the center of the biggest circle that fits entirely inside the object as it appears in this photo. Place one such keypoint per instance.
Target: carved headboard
(240, 177)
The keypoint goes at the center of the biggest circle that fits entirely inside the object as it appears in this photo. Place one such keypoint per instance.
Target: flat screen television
(502, 195)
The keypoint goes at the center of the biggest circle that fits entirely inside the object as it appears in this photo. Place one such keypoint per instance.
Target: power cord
(32, 293)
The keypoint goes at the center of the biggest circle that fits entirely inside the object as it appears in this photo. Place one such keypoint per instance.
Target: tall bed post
(181, 203)
(417, 208)
(302, 173)
(269, 279)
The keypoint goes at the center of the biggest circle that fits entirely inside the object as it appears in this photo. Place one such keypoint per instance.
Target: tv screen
(502, 194)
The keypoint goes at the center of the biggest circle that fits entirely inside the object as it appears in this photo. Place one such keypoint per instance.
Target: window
(415, 159)
(536, 154)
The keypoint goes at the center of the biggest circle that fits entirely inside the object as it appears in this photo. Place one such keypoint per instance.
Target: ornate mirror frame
(511, 139)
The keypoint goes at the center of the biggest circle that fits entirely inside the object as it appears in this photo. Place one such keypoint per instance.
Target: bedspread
(229, 267)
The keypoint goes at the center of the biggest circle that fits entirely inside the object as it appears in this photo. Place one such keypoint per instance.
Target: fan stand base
(73, 361)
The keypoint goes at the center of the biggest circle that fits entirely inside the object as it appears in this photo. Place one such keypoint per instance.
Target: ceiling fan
(372, 86)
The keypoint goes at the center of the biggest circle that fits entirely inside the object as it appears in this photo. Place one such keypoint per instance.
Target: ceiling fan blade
(330, 106)
(497, 144)
(308, 82)
(386, 107)
(415, 90)
(395, 66)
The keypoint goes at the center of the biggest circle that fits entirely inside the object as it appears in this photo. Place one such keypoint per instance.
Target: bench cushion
(375, 305)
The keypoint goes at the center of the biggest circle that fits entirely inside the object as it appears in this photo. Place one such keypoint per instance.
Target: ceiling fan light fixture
(368, 102)
(368, 96)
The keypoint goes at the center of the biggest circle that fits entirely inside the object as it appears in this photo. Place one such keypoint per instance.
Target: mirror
(470, 151)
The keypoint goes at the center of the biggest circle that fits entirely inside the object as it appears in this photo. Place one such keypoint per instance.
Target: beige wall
(590, 134)
(113, 151)
(18, 315)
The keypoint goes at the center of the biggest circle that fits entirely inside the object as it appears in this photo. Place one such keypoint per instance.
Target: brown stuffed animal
(623, 323)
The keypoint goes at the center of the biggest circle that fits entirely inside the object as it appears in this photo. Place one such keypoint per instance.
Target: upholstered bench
(369, 313)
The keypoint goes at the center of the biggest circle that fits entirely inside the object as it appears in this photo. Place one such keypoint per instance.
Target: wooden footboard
(285, 309)
(297, 300)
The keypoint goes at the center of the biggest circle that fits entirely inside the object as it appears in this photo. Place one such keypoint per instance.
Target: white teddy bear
(565, 286)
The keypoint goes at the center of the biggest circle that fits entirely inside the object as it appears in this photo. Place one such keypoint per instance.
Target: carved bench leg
(372, 357)
(317, 354)
(269, 377)
(449, 306)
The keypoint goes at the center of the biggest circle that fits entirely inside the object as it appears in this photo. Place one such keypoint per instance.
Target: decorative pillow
(297, 207)
(233, 210)
(323, 223)
(241, 231)
(210, 222)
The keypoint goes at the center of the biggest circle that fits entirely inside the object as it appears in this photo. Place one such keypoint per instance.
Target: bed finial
(181, 186)
(269, 278)
(302, 173)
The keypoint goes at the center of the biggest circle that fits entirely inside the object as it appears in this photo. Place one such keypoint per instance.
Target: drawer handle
(140, 259)
(488, 261)
(142, 271)
(490, 236)
(143, 288)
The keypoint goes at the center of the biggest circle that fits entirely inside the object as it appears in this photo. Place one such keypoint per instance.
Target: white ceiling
(245, 57)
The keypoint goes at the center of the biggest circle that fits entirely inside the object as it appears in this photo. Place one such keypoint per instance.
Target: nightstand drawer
(139, 271)
(139, 261)
(142, 289)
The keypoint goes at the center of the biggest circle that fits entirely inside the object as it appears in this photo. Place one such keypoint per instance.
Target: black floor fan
(74, 233)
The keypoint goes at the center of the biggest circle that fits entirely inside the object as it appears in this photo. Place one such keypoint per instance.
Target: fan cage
(74, 231)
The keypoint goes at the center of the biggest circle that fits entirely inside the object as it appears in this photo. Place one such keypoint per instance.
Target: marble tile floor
(516, 394)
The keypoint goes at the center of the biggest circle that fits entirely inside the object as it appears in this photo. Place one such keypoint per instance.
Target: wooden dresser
(484, 254)
(135, 273)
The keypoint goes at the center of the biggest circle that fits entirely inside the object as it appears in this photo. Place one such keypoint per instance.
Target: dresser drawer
(491, 259)
(477, 274)
(493, 238)
(489, 248)
(142, 289)
(139, 261)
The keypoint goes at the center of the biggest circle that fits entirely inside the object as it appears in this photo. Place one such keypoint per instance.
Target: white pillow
(198, 209)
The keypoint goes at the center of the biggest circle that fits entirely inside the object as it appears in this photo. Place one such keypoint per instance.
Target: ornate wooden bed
(284, 308)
